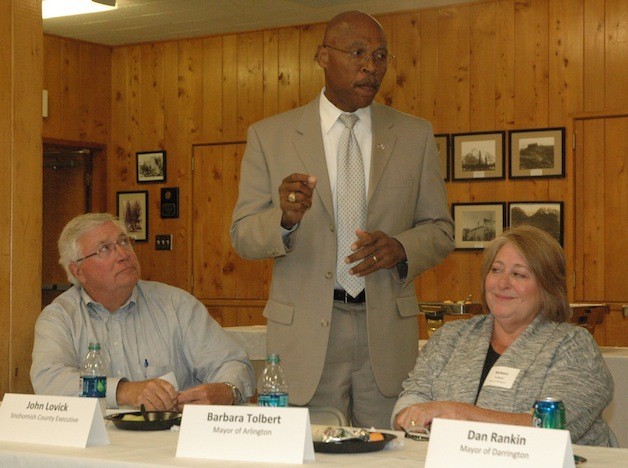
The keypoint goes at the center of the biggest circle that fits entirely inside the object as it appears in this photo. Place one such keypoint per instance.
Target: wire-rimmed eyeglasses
(105, 250)
(361, 56)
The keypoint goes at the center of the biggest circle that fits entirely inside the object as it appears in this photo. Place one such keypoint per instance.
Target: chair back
(612, 438)
(327, 416)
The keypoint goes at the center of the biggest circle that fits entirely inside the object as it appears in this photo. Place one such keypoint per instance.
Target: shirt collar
(329, 114)
(100, 309)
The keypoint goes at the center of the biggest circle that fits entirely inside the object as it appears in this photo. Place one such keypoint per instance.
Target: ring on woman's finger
(412, 422)
(374, 258)
(292, 197)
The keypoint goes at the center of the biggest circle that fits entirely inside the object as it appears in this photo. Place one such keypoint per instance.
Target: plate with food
(151, 421)
(350, 440)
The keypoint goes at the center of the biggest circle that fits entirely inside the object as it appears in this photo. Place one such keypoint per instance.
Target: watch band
(237, 396)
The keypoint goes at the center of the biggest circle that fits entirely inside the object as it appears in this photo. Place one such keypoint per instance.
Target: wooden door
(234, 290)
(601, 218)
(66, 194)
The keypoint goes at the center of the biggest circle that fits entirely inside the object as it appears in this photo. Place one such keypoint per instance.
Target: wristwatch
(237, 396)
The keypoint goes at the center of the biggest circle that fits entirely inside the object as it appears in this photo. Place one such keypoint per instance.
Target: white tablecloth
(253, 338)
(617, 412)
(138, 449)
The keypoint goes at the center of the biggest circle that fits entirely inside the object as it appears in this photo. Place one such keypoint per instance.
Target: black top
(491, 357)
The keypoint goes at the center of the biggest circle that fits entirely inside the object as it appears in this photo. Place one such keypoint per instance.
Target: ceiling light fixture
(56, 8)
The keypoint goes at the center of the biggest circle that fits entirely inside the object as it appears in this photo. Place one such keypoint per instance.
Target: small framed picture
(133, 212)
(151, 166)
(476, 224)
(546, 215)
(443, 145)
(537, 153)
(478, 155)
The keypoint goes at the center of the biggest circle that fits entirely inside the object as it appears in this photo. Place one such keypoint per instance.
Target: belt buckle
(346, 300)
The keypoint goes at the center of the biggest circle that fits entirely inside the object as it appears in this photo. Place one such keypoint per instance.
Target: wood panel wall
(20, 188)
(77, 76)
(489, 65)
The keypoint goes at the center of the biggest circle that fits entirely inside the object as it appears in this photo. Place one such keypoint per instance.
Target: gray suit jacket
(555, 360)
(406, 200)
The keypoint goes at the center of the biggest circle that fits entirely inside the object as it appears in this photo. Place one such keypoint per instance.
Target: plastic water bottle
(272, 389)
(94, 376)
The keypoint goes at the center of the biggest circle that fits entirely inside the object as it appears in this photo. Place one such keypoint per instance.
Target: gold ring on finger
(292, 197)
(374, 258)
(412, 422)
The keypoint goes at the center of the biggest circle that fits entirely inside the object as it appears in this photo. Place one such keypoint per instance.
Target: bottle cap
(274, 358)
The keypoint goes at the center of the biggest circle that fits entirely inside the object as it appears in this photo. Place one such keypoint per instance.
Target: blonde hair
(69, 250)
(546, 261)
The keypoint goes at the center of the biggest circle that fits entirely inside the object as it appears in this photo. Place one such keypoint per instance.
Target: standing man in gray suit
(342, 311)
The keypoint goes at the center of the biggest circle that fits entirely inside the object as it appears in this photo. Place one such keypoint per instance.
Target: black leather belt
(344, 296)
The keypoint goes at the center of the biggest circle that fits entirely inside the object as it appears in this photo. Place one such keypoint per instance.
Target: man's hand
(377, 250)
(154, 394)
(206, 394)
(295, 197)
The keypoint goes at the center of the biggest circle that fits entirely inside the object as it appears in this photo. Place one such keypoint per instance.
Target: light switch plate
(163, 242)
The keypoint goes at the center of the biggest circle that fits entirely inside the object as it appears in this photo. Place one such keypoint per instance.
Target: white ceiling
(137, 21)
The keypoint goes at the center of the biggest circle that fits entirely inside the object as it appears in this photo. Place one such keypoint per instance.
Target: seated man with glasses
(146, 329)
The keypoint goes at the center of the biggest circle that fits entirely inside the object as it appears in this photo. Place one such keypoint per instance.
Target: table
(616, 414)
(253, 339)
(140, 449)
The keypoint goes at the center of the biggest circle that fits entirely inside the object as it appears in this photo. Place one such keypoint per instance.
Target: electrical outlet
(163, 242)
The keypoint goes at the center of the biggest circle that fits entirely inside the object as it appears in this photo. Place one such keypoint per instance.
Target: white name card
(246, 433)
(52, 420)
(483, 445)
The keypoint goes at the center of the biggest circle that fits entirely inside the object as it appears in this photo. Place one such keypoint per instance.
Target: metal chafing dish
(435, 311)
(450, 308)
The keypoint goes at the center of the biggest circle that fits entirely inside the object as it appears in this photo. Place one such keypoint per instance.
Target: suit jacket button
(332, 228)
(324, 323)
(329, 275)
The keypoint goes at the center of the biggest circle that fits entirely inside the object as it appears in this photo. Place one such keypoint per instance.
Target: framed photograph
(546, 215)
(478, 155)
(476, 224)
(442, 143)
(133, 211)
(537, 153)
(151, 166)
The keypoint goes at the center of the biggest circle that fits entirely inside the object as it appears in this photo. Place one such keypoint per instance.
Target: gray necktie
(351, 193)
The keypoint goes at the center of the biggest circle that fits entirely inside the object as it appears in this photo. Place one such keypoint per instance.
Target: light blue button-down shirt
(160, 329)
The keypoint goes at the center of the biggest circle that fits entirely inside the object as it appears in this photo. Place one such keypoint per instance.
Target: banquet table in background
(253, 339)
(616, 414)
(158, 448)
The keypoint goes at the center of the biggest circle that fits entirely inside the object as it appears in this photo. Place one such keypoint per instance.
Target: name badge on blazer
(501, 376)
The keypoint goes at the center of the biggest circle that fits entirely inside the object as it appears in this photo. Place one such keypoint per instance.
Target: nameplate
(246, 433)
(473, 444)
(52, 420)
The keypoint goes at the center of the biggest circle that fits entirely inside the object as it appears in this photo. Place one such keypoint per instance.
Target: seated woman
(525, 334)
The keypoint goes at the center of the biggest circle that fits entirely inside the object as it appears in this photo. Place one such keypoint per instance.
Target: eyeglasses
(421, 434)
(107, 249)
(361, 56)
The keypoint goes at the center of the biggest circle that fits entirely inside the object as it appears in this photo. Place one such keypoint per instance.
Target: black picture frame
(536, 152)
(443, 144)
(476, 224)
(151, 166)
(546, 215)
(132, 209)
(478, 155)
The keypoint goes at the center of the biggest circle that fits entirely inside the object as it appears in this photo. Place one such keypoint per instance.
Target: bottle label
(273, 399)
(92, 386)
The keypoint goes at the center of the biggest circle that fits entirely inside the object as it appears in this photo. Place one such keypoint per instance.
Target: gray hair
(73, 231)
